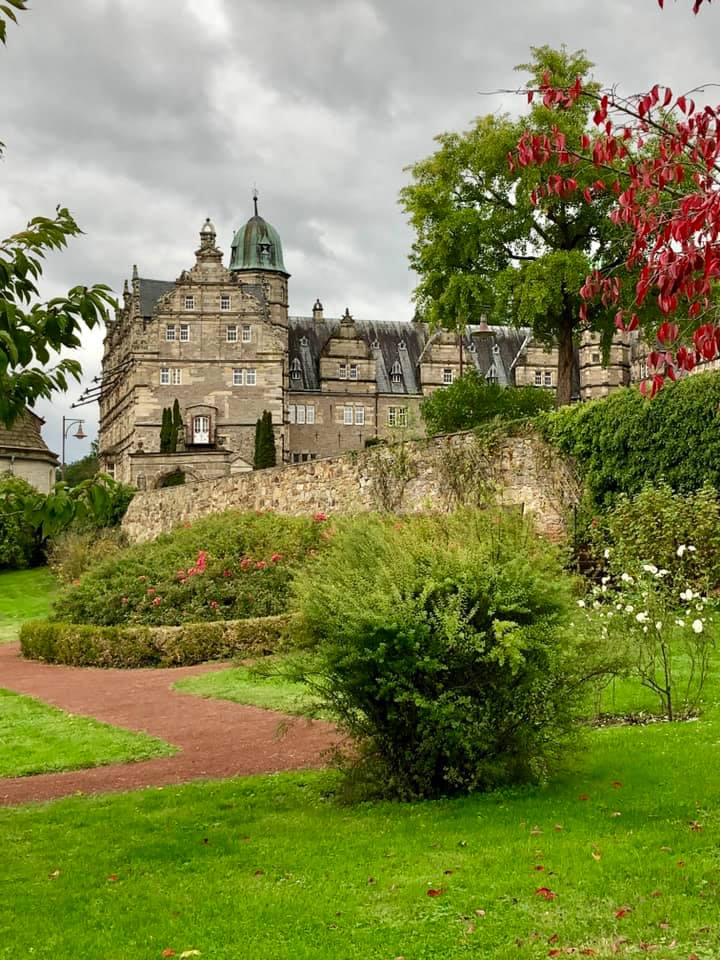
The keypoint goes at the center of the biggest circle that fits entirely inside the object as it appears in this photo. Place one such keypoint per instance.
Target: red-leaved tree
(659, 155)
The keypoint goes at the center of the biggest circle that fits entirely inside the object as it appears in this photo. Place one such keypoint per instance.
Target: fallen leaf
(54, 875)
(554, 938)
(447, 873)
(189, 953)
(588, 952)
(113, 878)
(546, 893)
(539, 868)
(616, 813)
(681, 864)
(616, 784)
(666, 849)
(554, 952)
(536, 832)
(623, 912)
(558, 828)
(479, 913)
(695, 826)
(259, 873)
(471, 928)
(583, 796)
(656, 893)
(435, 892)
(664, 925)
(168, 952)
(647, 947)
(596, 855)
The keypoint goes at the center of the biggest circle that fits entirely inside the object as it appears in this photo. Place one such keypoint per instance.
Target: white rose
(697, 626)
(581, 603)
(607, 554)
(680, 623)
(658, 624)
(642, 617)
(650, 568)
(626, 578)
(681, 550)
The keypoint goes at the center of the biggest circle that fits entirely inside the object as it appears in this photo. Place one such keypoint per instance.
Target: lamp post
(67, 425)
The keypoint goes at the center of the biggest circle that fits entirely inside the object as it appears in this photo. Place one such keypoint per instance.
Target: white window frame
(250, 377)
(359, 416)
(189, 302)
(184, 333)
(231, 333)
(291, 413)
(246, 333)
(353, 372)
(396, 372)
(170, 331)
(295, 369)
(300, 414)
(397, 416)
(538, 378)
(348, 416)
(225, 302)
(547, 378)
(164, 376)
(447, 376)
(343, 371)
(176, 376)
(238, 377)
(310, 413)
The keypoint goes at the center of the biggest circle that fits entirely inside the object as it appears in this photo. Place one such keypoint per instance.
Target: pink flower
(157, 601)
(151, 591)
(276, 558)
(181, 574)
(227, 573)
(201, 562)
(260, 565)
(214, 604)
(245, 563)
(123, 599)
(143, 579)
(320, 517)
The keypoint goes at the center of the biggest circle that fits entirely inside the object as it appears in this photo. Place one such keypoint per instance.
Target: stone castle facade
(221, 342)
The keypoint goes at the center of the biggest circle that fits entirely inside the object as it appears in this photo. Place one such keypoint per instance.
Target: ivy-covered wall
(437, 474)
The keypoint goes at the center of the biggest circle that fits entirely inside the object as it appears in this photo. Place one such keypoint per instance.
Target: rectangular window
(176, 376)
(300, 414)
(184, 332)
(342, 371)
(296, 458)
(231, 334)
(310, 414)
(291, 413)
(359, 416)
(348, 416)
(538, 378)
(548, 378)
(447, 376)
(397, 416)
(189, 303)
(165, 375)
(595, 358)
(238, 378)
(169, 332)
(250, 378)
(246, 333)
(224, 301)
(353, 371)
(305, 457)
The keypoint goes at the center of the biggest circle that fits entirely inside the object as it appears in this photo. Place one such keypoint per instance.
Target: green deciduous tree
(486, 245)
(33, 332)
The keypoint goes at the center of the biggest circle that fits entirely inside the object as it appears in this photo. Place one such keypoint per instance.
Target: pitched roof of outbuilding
(24, 436)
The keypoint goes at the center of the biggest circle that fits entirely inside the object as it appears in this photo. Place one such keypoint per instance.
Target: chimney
(318, 311)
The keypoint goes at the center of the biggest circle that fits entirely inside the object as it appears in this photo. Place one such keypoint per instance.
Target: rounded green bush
(439, 646)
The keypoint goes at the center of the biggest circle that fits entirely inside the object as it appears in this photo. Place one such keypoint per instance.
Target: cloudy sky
(146, 116)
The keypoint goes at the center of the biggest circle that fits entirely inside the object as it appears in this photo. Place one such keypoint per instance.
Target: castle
(220, 341)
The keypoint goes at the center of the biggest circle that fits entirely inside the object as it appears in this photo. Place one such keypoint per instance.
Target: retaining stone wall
(436, 474)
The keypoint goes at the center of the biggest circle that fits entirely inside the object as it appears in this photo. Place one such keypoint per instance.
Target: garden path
(217, 738)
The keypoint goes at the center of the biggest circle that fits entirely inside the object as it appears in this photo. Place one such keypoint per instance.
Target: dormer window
(375, 345)
(447, 377)
(401, 345)
(189, 303)
(296, 370)
(343, 371)
(396, 373)
(491, 376)
(304, 341)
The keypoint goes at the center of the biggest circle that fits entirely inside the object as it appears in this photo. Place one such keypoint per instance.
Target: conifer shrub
(440, 646)
(226, 567)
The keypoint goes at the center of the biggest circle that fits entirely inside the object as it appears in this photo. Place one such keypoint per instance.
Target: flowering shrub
(664, 630)
(227, 567)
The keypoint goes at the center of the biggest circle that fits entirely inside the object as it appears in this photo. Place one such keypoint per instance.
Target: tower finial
(255, 196)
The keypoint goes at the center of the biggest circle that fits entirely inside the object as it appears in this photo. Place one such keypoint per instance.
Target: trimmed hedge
(85, 645)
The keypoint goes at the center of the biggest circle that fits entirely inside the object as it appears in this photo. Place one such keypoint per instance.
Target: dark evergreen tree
(177, 425)
(166, 430)
(264, 442)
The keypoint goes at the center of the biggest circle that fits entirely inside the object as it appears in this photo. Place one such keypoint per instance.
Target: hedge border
(86, 645)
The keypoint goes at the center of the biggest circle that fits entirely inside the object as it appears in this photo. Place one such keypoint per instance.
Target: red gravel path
(217, 738)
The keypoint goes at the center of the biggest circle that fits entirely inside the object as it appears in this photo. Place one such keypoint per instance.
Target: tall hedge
(624, 441)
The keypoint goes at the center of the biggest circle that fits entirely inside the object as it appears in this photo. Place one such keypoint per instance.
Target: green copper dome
(256, 246)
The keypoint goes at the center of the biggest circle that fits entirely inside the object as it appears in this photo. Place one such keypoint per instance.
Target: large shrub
(73, 551)
(440, 648)
(623, 441)
(471, 401)
(226, 567)
(19, 539)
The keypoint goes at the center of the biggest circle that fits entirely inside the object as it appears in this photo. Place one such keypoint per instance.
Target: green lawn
(247, 685)
(270, 868)
(37, 738)
(24, 595)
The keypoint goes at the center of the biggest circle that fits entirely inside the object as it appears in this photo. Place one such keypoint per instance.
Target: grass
(37, 738)
(24, 595)
(273, 868)
(249, 686)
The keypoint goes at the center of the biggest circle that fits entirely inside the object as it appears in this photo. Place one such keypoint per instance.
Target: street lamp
(67, 425)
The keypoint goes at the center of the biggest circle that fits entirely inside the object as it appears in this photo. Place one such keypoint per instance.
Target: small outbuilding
(24, 453)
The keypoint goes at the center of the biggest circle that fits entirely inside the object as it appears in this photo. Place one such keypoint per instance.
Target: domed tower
(257, 258)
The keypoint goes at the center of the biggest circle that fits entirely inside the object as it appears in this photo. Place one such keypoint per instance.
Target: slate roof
(398, 341)
(24, 437)
(150, 293)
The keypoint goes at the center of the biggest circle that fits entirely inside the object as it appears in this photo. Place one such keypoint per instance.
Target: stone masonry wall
(436, 474)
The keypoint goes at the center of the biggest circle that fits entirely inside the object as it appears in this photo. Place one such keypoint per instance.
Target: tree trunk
(566, 362)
